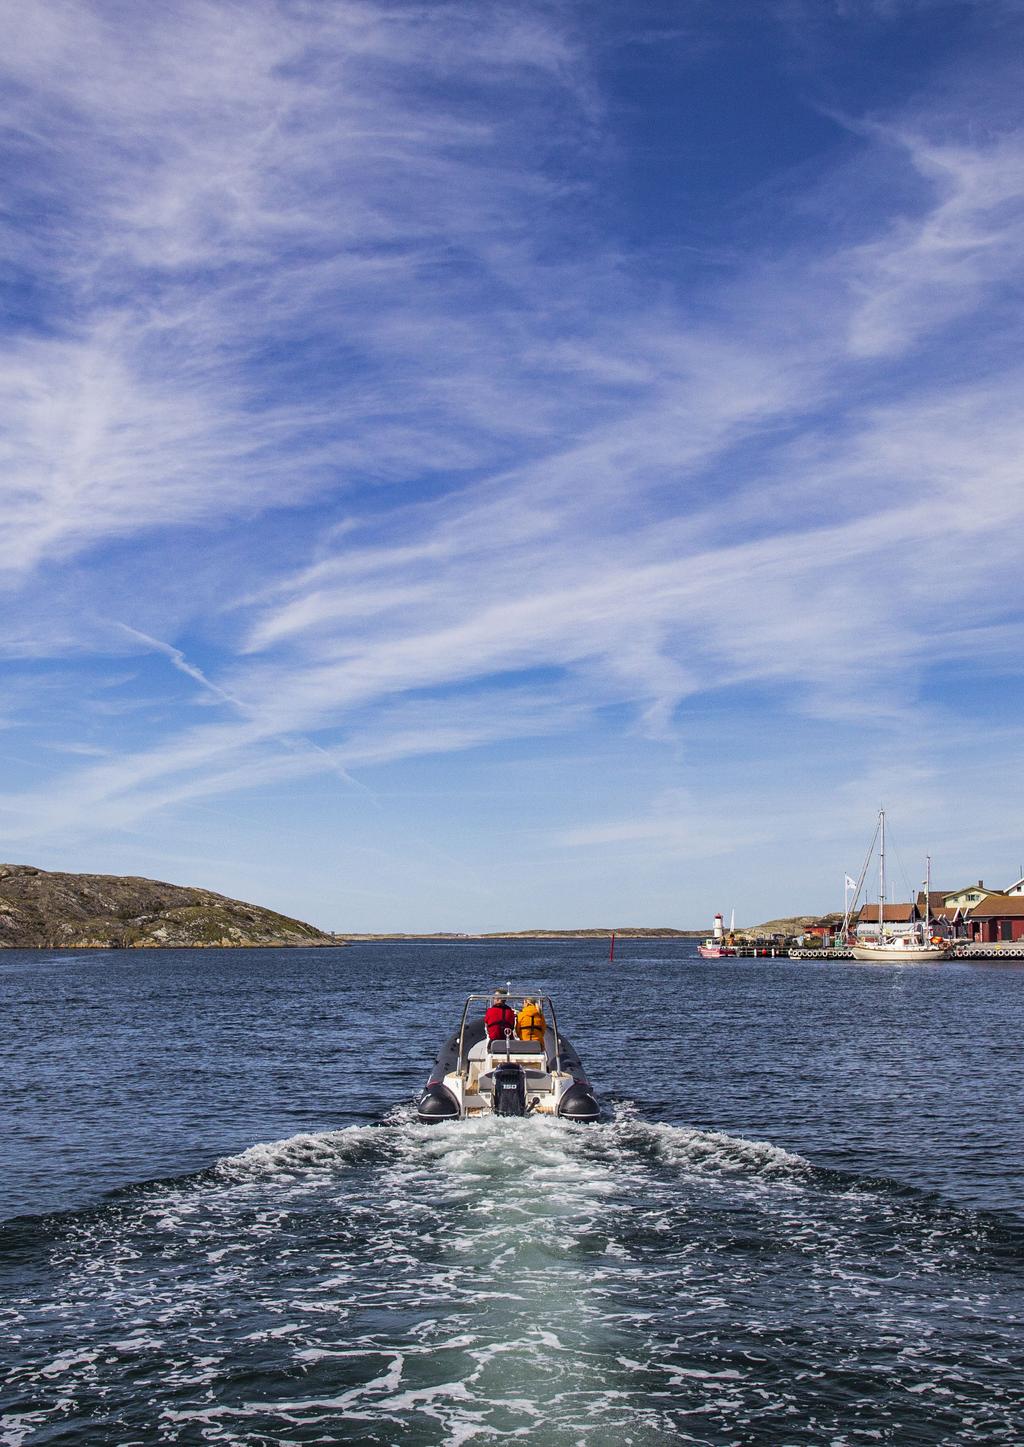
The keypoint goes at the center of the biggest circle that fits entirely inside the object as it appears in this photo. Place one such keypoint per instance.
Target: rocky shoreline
(40, 909)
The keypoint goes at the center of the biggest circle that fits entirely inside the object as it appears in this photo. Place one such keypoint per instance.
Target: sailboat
(918, 947)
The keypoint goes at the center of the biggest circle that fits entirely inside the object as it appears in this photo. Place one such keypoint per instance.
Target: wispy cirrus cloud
(928, 269)
(223, 219)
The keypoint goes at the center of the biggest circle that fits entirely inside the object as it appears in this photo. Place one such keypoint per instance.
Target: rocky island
(44, 910)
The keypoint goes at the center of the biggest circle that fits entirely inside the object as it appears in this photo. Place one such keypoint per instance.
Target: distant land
(44, 910)
(629, 932)
(791, 925)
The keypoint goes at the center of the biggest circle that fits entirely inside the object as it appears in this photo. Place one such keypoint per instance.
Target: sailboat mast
(928, 896)
(881, 875)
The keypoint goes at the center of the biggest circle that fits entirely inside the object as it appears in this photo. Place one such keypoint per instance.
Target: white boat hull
(900, 954)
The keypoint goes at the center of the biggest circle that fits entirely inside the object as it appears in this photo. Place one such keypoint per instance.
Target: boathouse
(824, 931)
(945, 920)
(900, 920)
(997, 919)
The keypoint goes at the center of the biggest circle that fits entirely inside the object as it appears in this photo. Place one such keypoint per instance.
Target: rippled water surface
(800, 1221)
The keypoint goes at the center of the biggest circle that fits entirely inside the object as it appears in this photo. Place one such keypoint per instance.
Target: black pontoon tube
(579, 1103)
(437, 1103)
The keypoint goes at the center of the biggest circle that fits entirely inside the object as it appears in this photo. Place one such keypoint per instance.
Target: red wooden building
(999, 918)
(822, 930)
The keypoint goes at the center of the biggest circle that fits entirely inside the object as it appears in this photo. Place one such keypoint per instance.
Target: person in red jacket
(499, 1017)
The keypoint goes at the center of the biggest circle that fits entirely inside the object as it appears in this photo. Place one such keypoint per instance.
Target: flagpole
(849, 884)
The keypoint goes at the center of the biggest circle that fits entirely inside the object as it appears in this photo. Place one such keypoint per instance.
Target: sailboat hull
(900, 954)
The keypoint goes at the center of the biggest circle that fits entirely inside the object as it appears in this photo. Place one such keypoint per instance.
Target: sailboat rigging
(917, 946)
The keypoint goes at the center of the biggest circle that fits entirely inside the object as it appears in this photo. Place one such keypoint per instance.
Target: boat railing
(547, 1000)
(462, 1064)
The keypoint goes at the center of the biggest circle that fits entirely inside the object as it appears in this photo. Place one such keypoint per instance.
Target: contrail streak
(288, 740)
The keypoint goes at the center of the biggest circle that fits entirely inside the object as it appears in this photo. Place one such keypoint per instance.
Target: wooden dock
(960, 952)
(990, 952)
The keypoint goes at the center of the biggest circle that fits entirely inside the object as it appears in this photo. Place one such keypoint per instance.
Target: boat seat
(514, 1047)
(536, 1080)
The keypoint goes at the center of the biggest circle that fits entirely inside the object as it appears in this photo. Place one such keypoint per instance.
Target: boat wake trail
(500, 1279)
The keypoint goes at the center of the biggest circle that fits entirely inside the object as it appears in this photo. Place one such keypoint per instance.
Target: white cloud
(929, 269)
(210, 187)
(302, 261)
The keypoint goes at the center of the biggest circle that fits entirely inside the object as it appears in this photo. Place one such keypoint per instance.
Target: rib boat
(475, 1076)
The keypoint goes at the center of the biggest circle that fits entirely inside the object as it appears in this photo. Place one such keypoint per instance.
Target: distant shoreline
(636, 933)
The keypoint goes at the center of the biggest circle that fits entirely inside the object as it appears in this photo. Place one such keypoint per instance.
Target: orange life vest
(530, 1023)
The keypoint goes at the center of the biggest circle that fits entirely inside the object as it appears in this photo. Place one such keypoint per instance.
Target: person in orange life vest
(499, 1017)
(530, 1022)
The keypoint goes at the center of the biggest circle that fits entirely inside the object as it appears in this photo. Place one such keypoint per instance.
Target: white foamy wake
(468, 1145)
(302, 1155)
(622, 1283)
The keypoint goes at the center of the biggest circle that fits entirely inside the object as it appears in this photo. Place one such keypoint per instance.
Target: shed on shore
(998, 918)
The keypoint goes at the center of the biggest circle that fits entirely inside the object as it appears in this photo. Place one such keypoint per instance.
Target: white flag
(851, 883)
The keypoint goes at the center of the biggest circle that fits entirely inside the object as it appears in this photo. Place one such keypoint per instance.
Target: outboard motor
(509, 1090)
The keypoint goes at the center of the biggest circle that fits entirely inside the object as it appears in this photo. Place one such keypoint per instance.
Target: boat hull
(901, 954)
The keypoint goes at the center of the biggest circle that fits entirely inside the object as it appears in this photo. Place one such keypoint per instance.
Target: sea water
(800, 1221)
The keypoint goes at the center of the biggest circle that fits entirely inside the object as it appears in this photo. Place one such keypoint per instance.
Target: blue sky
(475, 466)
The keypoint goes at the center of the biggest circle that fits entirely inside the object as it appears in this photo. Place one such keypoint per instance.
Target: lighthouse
(718, 933)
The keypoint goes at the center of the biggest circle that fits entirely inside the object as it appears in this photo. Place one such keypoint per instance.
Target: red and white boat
(717, 947)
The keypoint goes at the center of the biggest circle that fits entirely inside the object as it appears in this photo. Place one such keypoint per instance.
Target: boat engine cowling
(437, 1103)
(579, 1103)
(509, 1090)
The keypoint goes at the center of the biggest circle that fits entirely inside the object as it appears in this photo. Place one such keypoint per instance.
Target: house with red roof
(945, 919)
(997, 919)
(899, 920)
(823, 931)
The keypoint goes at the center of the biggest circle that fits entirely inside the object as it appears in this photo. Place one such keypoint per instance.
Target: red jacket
(498, 1019)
